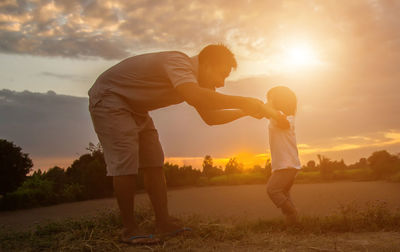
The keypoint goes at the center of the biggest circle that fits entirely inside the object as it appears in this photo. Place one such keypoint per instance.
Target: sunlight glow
(299, 55)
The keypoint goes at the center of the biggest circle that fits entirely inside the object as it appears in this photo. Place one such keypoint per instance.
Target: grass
(101, 233)
(301, 178)
(238, 179)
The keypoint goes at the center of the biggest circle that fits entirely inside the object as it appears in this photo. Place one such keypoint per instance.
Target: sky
(341, 59)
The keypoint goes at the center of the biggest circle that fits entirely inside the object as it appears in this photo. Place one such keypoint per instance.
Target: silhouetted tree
(310, 166)
(58, 177)
(383, 164)
(268, 168)
(233, 166)
(90, 172)
(360, 164)
(180, 176)
(325, 167)
(14, 166)
(209, 170)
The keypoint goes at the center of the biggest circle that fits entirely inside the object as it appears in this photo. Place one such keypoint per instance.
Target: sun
(298, 55)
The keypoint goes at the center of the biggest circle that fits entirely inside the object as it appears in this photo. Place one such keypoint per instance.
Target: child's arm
(271, 112)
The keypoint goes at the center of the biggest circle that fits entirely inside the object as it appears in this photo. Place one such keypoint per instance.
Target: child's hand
(282, 122)
(279, 117)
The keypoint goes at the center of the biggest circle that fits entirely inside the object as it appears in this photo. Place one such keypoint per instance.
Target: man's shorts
(129, 139)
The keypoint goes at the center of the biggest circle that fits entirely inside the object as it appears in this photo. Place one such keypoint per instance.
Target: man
(119, 103)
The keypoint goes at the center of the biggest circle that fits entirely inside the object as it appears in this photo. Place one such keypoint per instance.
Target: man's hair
(217, 55)
(284, 99)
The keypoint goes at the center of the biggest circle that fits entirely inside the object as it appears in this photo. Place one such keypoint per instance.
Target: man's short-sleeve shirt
(146, 82)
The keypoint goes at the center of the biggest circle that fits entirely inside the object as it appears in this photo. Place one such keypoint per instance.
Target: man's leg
(124, 189)
(154, 180)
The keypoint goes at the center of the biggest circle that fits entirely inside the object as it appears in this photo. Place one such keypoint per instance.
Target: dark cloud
(45, 124)
(70, 77)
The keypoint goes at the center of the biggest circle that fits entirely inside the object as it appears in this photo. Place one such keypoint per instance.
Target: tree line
(86, 177)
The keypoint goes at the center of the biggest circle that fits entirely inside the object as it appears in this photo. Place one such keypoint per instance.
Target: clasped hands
(258, 109)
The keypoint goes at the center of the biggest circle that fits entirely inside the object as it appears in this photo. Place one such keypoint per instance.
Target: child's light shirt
(282, 142)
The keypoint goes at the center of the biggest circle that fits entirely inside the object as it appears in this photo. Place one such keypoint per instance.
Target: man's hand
(254, 107)
(271, 112)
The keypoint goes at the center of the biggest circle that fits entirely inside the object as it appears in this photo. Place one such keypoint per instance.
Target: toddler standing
(284, 154)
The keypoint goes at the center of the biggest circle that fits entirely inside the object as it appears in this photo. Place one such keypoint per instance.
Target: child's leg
(291, 177)
(278, 189)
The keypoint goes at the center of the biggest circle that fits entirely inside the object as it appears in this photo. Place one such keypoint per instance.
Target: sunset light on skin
(340, 59)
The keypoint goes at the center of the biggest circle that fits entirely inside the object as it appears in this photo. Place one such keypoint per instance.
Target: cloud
(70, 77)
(45, 124)
(379, 140)
(356, 35)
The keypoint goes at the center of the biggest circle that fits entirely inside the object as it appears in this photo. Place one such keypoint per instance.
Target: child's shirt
(282, 142)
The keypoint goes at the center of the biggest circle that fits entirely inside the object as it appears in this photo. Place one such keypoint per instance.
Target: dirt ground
(342, 242)
(246, 201)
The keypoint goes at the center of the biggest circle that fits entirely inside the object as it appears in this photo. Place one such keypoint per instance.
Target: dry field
(335, 217)
(248, 202)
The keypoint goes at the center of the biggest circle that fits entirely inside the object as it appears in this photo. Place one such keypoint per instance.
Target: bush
(239, 178)
(73, 192)
(181, 176)
(35, 191)
(308, 177)
(395, 177)
(90, 172)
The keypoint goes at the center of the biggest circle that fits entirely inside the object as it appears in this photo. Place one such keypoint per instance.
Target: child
(284, 154)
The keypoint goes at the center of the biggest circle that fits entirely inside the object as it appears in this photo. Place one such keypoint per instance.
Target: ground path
(245, 201)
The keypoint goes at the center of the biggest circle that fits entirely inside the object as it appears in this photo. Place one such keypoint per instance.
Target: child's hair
(283, 99)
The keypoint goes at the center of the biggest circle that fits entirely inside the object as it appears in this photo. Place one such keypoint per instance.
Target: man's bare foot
(171, 225)
(127, 233)
(134, 237)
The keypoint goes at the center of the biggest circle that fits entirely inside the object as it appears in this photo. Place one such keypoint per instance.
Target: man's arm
(216, 117)
(205, 99)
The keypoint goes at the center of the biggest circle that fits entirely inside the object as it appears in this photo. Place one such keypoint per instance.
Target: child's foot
(292, 219)
(290, 212)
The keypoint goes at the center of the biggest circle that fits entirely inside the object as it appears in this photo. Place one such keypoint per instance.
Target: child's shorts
(129, 139)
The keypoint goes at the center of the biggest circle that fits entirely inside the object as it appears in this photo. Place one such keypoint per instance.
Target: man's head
(283, 98)
(215, 64)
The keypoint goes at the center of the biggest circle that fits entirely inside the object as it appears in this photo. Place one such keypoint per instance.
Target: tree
(180, 176)
(14, 166)
(208, 169)
(58, 177)
(90, 172)
(383, 164)
(325, 167)
(233, 166)
(311, 166)
(207, 163)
